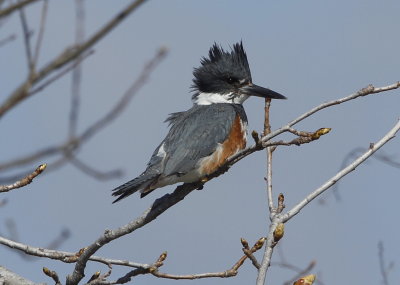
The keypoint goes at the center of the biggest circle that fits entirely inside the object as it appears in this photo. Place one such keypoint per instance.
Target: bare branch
(384, 269)
(41, 32)
(370, 89)
(363, 92)
(269, 150)
(158, 207)
(67, 257)
(91, 171)
(282, 218)
(381, 156)
(9, 277)
(24, 181)
(153, 269)
(8, 39)
(61, 73)
(7, 11)
(373, 148)
(27, 42)
(52, 274)
(77, 71)
(122, 104)
(22, 92)
(74, 143)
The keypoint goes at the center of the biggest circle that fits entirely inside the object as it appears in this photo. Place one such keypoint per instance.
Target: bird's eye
(231, 80)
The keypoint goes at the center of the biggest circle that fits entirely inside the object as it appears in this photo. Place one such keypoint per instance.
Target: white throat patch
(214, 98)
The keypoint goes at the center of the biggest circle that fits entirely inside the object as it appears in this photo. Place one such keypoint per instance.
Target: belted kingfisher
(201, 139)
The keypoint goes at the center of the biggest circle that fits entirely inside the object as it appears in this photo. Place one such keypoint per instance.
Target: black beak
(255, 90)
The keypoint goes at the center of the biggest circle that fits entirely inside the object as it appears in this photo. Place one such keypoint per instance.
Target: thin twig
(233, 271)
(8, 39)
(22, 92)
(123, 103)
(168, 200)
(381, 156)
(7, 11)
(41, 33)
(64, 256)
(100, 175)
(74, 143)
(52, 274)
(373, 148)
(298, 207)
(382, 266)
(269, 182)
(158, 207)
(77, 71)
(27, 42)
(363, 92)
(62, 72)
(267, 130)
(24, 181)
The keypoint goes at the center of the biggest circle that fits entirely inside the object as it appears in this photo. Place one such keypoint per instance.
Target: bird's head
(225, 77)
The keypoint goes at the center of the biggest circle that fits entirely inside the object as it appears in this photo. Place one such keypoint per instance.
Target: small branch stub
(24, 181)
(51, 274)
(256, 138)
(244, 242)
(160, 260)
(74, 258)
(94, 276)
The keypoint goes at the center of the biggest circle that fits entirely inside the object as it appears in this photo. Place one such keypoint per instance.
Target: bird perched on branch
(201, 139)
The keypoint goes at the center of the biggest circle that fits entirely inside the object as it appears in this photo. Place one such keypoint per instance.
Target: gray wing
(196, 134)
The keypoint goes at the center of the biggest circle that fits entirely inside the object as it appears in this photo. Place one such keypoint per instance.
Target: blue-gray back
(195, 134)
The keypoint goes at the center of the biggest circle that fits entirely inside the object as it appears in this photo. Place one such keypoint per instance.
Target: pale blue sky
(310, 51)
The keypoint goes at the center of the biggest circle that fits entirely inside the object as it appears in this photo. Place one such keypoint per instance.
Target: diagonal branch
(233, 271)
(363, 92)
(329, 183)
(159, 206)
(22, 92)
(8, 39)
(75, 142)
(77, 71)
(27, 41)
(64, 256)
(41, 32)
(351, 167)
(7, 11)
(24, 181)
(168, 200)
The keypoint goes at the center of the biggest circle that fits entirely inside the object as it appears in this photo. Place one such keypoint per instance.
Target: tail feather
(134, 185)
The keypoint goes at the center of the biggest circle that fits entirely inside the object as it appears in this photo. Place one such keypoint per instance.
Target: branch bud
(306, 280)
(244, 242)
(94, 276)
(162, 257)
(322, 131)
(259, 244)
(41, 167)
(279, 232)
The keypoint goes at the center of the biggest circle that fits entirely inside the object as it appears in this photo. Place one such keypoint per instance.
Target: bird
(201, 139)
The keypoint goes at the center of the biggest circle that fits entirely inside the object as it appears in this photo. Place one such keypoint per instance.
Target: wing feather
(196, 134)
